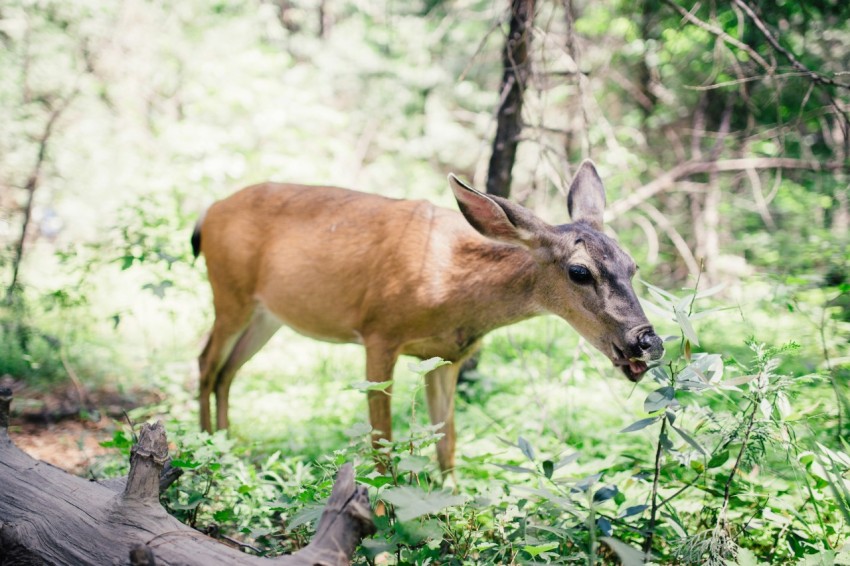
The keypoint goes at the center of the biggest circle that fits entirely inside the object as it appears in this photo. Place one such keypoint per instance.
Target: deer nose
(651, 342)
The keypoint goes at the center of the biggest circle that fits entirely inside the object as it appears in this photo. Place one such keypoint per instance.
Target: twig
(814, 76)
(727, 491)
(722, 35)
(31, 186)
(82, 397)
(688, 168)
(647, 543)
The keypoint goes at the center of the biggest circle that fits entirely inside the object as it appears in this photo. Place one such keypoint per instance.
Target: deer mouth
(633, 368)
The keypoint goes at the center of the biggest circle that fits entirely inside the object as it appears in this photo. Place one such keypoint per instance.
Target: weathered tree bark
(517, 69)
(48, 516)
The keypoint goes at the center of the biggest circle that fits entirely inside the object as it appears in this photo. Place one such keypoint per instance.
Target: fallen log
(48, 516)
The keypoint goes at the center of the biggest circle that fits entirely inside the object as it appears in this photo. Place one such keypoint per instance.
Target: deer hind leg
(262, 326)
(380, 361)
(229, 325)
(440, 385)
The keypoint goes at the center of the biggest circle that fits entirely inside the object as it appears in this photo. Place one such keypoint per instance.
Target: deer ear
(495, 217)
(586, 197)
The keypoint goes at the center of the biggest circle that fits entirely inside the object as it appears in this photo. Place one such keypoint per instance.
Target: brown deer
(407, 277)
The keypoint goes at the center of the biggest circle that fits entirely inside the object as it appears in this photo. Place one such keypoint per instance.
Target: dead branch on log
(48, 516)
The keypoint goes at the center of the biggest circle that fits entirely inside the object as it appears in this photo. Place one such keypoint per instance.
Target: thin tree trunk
(517, 69)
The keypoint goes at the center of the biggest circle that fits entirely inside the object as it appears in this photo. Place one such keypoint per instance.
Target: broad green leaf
(308, 514)
(643, 423)
(659, 399)
(548, 468)
(534, 551)
(412, 463)
(718, 459)
(425, 366)
(358, 429)
(412, 502)
(628, 555)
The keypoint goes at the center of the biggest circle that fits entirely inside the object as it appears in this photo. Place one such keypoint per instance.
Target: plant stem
(727, 488)
(647, 543)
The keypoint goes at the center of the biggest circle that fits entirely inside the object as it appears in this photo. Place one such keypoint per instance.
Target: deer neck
(499, 281)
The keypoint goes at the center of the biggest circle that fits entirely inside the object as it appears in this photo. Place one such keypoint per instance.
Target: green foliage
(172, 106)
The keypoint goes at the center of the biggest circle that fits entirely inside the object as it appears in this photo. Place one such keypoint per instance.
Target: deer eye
(580, 274)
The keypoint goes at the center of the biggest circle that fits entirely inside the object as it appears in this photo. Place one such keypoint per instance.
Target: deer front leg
(440, 387)
(380, 361)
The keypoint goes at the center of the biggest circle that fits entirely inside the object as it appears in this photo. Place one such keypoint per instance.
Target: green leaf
(605, 493)
(412, 463)
(534, 551)
(426, 366)
(548, 468)
(685, 325)
(357, 430)
(371, 385)
(628, 555)
(689, 440)
(718, 459)
(659, 399)
(526, 448)
(643, 423)
(567, 460)
(308, 514)
(412, 502)
(224, 515)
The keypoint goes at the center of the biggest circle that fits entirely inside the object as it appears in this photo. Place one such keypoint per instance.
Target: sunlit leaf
(566, 460)
(412, 502)
(358, 429)
(536, 550)
(371, 385)
(425, 366)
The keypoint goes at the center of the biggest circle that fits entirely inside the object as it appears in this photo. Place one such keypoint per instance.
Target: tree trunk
(517, 69)
(48, 516)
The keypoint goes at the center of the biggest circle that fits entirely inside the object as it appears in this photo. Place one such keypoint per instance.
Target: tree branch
(684, 170)
(814, 76)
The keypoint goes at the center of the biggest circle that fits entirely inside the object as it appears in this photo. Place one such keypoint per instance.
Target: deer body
(398, 276)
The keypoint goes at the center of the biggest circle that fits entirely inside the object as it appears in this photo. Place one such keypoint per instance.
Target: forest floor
(66, 426)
